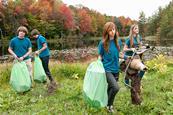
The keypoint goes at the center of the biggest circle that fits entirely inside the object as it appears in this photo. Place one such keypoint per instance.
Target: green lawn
(157, 91)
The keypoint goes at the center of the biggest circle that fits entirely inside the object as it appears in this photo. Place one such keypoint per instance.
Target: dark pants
(45, 63)
(135, 90)
(113, 87)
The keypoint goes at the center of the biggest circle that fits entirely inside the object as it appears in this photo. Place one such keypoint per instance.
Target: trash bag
(95, 85)
(39, 73)
(20, 78)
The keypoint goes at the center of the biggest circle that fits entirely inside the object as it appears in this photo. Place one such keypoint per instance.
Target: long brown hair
(108, 27)
(131, 36)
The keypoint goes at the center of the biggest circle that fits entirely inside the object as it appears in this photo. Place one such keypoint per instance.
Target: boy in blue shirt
(20, 47)
(44, 53)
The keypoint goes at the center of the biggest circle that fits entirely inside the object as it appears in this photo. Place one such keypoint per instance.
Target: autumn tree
(84, 21)
(67, 17)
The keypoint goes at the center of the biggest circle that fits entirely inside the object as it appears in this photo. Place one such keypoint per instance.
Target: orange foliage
(125, 21)
(67, 15)
(84, 21)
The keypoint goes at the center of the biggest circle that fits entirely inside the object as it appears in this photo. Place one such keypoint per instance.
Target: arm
(125, 49)
(100, 50)
(12, 53)
(127, 45)
(24, 56)
(42, 49)
(123, 56)
(28, 53)
(100, 57)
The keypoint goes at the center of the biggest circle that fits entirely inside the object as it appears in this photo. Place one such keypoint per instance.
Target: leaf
(170, 103)
(1, 100)
(75, 76)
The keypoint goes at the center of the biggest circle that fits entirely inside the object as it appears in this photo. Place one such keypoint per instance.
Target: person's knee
(115, 89)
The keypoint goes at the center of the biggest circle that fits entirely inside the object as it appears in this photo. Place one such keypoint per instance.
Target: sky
(127, 8)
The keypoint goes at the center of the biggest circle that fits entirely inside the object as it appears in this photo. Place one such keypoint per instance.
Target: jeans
(141, 74)
(45, 63)
(113, 87)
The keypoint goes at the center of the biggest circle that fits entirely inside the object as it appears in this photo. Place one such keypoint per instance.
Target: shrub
(5, 71)
(158, 64)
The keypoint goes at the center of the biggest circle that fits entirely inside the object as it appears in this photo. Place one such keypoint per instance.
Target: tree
(84, 21)
(166, 22)
(119, 26)
(100, 20)
(67, 17)
(142, 23)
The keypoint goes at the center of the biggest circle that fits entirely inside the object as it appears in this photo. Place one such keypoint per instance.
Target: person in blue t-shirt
(134, 41)
(44, 54)
(20, 47)
(108, 50)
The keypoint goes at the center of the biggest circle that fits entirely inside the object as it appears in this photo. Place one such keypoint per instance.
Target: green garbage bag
(95, 85)
(20, 78)
(39, 73)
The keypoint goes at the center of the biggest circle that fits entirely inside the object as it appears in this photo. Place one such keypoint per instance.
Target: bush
(5, 71)
(158, 64)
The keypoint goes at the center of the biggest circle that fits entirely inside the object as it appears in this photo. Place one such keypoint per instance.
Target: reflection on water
(72, 43)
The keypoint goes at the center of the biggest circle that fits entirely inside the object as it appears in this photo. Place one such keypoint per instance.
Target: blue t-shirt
(135, 43)
(20, 46)
(120, 44)
(40, 41)
(110, 59)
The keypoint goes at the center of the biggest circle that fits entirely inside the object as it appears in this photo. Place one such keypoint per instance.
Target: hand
(133, 49)
(129, 57)
(21, 58)
(37, 52)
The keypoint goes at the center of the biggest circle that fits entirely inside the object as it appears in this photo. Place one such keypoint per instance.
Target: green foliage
(76, 70)
(163, 20)
(142, 23)
(158, 64)
(5, 71)
(157, 94)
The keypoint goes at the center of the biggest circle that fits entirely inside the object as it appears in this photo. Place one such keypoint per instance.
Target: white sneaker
(110, 109)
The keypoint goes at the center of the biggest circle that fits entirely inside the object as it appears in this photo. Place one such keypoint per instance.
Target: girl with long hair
(108, 50)
(134, 41)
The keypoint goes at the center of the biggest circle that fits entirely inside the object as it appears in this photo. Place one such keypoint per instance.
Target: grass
(157, 94)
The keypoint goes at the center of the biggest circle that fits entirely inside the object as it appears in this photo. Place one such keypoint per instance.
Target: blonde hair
(108, 27)
(131, 36)
(22, 28)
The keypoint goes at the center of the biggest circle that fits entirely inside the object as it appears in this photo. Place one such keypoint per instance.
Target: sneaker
(110, 109)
